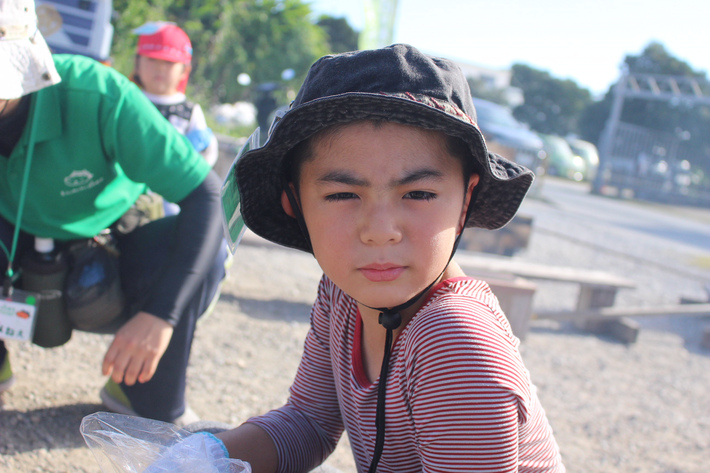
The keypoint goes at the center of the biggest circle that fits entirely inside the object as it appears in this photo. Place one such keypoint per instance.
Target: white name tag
(17, 315)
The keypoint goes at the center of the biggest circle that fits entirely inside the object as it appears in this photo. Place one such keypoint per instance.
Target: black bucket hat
(398, 84)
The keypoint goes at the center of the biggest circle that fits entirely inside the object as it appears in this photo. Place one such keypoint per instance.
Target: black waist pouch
(93, 296)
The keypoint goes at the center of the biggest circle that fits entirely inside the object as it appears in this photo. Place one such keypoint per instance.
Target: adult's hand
(137, 348)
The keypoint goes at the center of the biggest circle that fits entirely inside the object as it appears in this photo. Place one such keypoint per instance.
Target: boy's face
(383, 205)
(160, 77)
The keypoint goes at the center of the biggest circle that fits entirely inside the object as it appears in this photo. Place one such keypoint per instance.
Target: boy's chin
(385, 301)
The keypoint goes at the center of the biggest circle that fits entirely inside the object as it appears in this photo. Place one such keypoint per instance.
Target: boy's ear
(472, 183)
(286, 202)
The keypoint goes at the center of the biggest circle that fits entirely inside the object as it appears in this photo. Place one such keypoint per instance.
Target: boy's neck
(370, 316)
(374, 335)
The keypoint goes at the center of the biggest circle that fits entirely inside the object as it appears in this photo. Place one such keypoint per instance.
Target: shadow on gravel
(48, 428)
(274, 309)
(689, 329)
(565, 328)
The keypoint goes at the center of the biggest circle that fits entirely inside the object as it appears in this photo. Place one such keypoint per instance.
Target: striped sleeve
(307, 429)
(472, 405)
(465, 409)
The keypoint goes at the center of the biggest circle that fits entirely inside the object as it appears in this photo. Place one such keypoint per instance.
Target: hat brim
(28, 66)
(501, 189)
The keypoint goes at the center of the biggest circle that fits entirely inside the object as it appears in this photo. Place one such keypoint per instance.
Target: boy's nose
(379, 226)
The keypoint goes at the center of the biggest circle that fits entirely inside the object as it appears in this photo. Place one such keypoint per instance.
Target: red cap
(164, 41)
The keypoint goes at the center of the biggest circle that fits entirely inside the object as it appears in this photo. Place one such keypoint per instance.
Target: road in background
(670, 237)
(687, 226)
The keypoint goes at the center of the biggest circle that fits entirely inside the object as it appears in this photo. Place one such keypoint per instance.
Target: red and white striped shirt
(459, 397)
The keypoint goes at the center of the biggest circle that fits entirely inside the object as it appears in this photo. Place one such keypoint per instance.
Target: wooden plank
(699, 310)
(474, 263)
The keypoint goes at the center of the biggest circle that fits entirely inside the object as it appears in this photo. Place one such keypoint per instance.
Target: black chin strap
(391, 319)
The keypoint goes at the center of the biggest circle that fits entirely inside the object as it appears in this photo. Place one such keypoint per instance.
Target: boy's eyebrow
(419, 175)
(344, 177)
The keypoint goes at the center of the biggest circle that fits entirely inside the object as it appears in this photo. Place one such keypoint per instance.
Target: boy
(162, 68)
(376, 169)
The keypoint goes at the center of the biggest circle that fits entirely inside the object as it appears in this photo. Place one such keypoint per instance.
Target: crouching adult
(81, 150)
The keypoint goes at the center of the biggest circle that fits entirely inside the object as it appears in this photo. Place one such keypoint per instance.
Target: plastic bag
(127, 444)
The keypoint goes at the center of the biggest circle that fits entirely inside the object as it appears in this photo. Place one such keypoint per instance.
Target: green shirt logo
(78, 178)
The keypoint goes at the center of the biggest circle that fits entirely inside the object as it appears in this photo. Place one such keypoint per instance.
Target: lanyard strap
(21, 205)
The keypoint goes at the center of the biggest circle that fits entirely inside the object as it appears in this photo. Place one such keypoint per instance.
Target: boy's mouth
(381, 272)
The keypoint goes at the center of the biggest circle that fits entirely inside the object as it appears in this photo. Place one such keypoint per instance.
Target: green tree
(341, 36)
(552, 106)
(593, 118)
(481, 89)
(261, 38)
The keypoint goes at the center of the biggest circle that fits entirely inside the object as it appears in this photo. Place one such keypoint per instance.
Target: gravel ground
(614, 407)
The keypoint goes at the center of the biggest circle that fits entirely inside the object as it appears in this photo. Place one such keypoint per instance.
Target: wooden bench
(594, 310)
(620, 326)
(597, 289)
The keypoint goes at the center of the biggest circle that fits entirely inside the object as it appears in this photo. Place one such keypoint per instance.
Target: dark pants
(142, 253)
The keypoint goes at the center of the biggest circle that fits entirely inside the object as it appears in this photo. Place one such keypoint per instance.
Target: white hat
(25, 60)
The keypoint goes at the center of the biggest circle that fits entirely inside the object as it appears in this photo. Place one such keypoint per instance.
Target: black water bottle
(43, 272)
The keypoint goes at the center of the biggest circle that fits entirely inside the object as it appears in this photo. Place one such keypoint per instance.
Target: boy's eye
(420, 195)
(340, 196)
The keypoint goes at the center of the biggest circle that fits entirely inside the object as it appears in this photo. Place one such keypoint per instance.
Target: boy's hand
(137, 348)
(199, 452)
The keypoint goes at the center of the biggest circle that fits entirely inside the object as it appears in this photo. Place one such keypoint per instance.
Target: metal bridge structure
(628, 152)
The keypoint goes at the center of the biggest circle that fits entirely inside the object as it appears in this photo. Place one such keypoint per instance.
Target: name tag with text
(17, 315)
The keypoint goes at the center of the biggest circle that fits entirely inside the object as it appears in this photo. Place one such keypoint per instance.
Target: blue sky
(584, 40)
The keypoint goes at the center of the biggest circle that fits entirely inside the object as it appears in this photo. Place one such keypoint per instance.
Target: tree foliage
(552, 106)
(341, 36)
(261, 38)
(481, 89)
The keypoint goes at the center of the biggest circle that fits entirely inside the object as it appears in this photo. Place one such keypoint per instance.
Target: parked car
(508, 137)
(589, 153)
(561, 160)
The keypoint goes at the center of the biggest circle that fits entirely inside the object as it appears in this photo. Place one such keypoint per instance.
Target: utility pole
(380, 19)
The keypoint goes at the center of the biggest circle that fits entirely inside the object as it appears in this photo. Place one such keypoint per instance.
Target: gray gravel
(614, 407)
